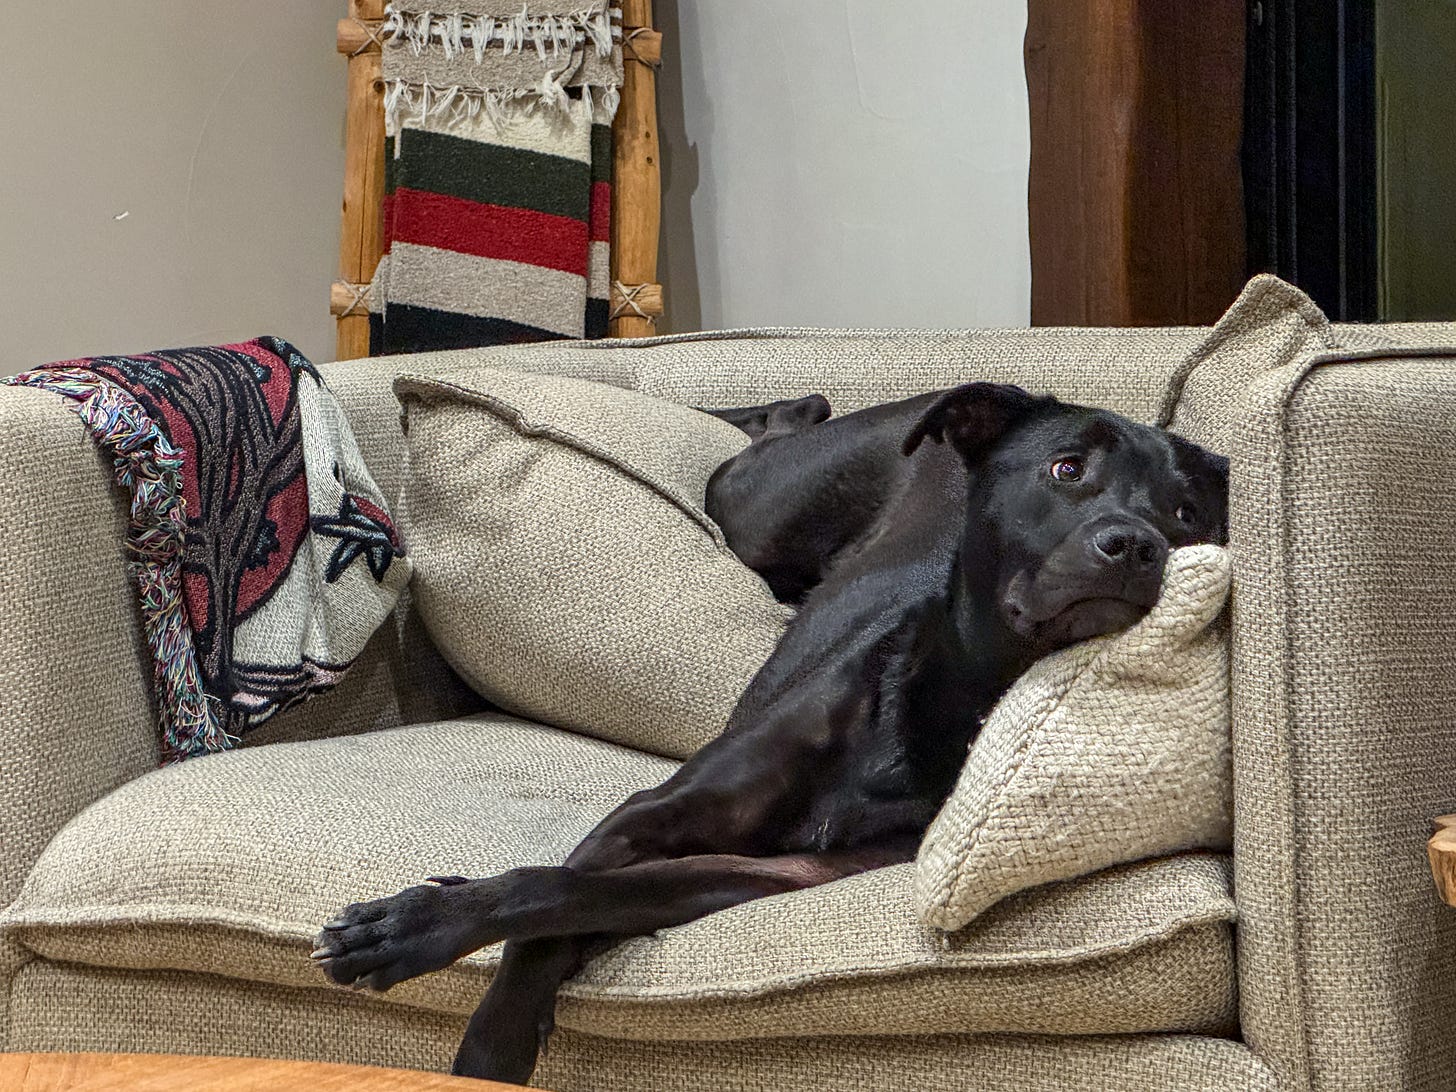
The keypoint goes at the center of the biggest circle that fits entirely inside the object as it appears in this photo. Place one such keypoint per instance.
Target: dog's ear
(972, 416)
(1208, 474)
(1202, 468)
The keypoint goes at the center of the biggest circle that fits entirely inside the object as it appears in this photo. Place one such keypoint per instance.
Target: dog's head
(1073, 510)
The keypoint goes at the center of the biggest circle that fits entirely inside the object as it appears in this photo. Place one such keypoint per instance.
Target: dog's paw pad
(376, 945)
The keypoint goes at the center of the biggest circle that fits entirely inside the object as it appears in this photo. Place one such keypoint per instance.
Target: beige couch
(171, 910)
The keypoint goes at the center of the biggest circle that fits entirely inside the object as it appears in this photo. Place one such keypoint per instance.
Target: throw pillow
(563, 562)
(1109, 751)
(1271, 324)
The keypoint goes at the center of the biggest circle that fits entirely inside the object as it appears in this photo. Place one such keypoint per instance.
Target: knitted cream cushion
(563, 562)
(1109, 751)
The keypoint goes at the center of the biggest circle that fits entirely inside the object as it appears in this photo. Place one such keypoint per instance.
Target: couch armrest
(1343, 527)
(75, 709)
(76, 712)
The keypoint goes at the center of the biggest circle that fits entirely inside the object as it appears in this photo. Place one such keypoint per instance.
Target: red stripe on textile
(386, 208)
(490, 231)
(601, 212)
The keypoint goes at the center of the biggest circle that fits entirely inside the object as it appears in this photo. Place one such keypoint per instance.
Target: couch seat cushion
(228, 864)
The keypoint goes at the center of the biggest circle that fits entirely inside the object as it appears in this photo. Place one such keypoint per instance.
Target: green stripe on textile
(601, 153)
(495, 175)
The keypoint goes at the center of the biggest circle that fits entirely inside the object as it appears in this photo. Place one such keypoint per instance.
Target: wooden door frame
(1135, 196)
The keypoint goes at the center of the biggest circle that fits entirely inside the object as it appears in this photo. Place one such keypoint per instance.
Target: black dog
(931, 576)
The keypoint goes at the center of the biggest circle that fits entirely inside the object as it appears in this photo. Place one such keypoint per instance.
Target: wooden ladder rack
(636, 181)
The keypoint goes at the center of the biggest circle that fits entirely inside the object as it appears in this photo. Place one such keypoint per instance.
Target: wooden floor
(176, 1073)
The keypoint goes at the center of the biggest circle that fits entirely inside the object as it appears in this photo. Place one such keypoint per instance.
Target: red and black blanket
(260, 544)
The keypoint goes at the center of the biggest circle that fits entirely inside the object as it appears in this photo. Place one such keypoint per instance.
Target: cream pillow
(1109, 751)
(563, 562)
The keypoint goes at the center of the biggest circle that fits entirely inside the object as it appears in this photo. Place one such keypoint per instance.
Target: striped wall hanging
(498, 152)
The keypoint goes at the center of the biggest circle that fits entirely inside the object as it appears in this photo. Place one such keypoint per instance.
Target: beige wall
(170, 174)
(844, 163)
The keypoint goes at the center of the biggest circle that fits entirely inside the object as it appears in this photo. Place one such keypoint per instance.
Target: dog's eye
(1067, 470)
(1186, 513)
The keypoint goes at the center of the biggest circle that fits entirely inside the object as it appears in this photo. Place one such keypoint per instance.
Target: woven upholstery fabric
(565, 565)
(1271, 325)
(1143, 948)
(1341, 697)
(1113, 750)
(1405, 336)
(60, 1007)
(1344, 738)
(62, 745)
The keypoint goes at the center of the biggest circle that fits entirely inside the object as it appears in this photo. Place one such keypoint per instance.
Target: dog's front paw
(381, 943)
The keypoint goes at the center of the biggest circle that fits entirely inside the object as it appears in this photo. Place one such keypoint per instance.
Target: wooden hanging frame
(636, 297)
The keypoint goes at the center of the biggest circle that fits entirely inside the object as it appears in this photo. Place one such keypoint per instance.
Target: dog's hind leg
(776, 418)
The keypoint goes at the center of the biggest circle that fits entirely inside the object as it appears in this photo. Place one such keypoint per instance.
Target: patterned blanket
(498, 159)
(261, 547)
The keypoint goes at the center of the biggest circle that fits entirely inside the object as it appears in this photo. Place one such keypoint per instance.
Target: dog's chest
(875, 789)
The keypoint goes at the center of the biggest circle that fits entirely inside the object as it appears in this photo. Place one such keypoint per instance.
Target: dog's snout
(1125, 544)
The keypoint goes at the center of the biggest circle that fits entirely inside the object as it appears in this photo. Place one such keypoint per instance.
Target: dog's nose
(1124, 544)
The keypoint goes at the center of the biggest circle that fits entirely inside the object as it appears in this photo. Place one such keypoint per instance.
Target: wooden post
(636, 182)
(1135, 194)
(361, 231)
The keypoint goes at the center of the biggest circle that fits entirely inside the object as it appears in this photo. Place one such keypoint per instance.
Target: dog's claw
(337, 923)
(443, 881)
(321, 953)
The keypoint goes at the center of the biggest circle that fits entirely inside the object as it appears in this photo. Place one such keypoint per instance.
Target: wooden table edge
(1441, 852)
(84, 1072)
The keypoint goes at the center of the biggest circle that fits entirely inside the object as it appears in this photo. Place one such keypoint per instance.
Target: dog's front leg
(549, 915)
(509, 1028)
(517, 1014)
(380, 944)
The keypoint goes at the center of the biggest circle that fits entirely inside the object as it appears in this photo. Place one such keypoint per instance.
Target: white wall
(844, 163)
(216, 128)
(836, 162)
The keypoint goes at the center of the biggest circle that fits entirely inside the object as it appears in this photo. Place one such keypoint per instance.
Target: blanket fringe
(146, 464)
(418, 102)
(459, 32)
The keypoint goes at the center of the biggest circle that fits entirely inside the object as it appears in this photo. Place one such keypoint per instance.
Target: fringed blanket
(498, 154)
(260, 544)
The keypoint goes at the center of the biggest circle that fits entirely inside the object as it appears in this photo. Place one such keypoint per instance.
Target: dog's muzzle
(1101, 580)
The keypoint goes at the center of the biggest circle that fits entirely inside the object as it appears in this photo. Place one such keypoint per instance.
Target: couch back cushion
(402, 678)
(1127, 370)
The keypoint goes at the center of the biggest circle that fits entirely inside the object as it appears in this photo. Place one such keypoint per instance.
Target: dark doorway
(1415, 146)
(1309, 149)
(1350, 153)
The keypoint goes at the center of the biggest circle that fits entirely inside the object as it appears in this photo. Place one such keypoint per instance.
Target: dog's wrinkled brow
(1101, 432)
